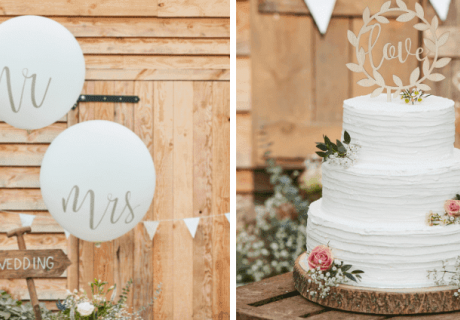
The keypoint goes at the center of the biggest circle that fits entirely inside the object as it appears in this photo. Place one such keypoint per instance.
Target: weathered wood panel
(243, 84)
(282, 82)
(21, 199)
(143, 259)
(150, 27)
(183, 205)
(35, 242)
(342, 7)
(10, 134)
(80, 8)
(243, 140)
(193, 8)
(43, 222)
(47, 289)
(167, 62)
(22, 154)
(179, 46)
(165, 74)
(330, 92)
(11, 177)
(244, 181)
(163, 134)
(243, 31)
(221, 200)
(202, 198)
(123, 268)
(103, 255)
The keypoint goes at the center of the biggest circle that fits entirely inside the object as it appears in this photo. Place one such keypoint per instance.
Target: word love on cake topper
(390, 52)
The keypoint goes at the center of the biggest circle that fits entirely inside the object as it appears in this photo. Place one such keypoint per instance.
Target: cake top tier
(398, 133)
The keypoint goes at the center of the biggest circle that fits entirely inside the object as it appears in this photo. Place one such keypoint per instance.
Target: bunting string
(150, 225)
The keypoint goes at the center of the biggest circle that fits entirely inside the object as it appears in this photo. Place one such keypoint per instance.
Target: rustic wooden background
(173, 54)
(291, 81)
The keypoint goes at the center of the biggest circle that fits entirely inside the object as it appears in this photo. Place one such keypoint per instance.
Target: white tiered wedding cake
(373, 214)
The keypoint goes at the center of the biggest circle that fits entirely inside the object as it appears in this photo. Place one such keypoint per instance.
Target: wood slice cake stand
(378, 301)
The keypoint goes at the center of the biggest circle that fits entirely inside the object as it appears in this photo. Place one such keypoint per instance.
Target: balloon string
(203, 217)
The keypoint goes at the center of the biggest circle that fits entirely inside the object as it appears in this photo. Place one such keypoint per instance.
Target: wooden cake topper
(390, 52)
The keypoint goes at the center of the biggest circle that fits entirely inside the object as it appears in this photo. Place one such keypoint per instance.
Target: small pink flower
(452, 207)
(320, 256)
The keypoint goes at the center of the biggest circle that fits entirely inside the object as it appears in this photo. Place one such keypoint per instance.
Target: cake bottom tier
(391, 257)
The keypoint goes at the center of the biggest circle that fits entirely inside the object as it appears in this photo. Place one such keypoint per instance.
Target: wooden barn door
(175, 56)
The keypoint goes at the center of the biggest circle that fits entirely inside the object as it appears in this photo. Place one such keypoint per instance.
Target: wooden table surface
(276, 298)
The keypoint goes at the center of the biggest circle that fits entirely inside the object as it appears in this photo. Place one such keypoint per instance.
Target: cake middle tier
(390, 194)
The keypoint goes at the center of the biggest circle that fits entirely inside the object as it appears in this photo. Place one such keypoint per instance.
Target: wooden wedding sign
(29, 264)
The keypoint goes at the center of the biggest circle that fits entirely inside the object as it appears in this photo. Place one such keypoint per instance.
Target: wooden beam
(193, 8)
(155, 74)
(43, 222)
(244, 181)
(342, 7)
(10, 134)
(173, 46)
(141, 27)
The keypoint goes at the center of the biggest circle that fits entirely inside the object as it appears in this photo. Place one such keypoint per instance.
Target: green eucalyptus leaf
(342, 150)
(349, 276)
(347, 138)
(327, 140)
(346, 267)
(322, 154)
(357, 271)
(322, 146)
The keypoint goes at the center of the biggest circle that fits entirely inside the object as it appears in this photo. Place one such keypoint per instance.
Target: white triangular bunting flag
(151, 227)
(67, 234)
(321, 12)
(227, 215)
(441, 7)
(26, 219)
(192, 225)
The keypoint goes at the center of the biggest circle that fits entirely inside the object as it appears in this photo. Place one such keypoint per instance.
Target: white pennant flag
(441, 7)
(228, 216)
(321, 12)
(67, 234)
(151, 227)
(192, 225)
(26, 219)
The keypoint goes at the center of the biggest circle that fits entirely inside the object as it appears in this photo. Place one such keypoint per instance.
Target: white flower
(456, 294)
(85, 308)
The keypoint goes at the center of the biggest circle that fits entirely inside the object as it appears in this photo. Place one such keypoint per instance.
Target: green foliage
(11, 309)
(270, 245)
(329, 148)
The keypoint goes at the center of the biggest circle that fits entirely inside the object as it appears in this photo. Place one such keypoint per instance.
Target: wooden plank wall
(292, 81)
(174, 55)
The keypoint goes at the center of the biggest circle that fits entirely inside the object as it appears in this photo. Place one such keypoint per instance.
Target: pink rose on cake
(321, 256)
(452, 207)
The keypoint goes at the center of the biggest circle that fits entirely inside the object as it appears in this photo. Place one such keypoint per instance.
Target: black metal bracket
(105, 98)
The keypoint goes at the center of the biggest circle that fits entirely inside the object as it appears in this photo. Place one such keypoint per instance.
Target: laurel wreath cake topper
(390, 52)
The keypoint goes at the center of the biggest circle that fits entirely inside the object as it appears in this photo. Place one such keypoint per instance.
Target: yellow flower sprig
(413, 96)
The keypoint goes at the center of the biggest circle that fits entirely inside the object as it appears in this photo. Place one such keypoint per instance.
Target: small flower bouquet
(413, 96)
(79, 306)
(450, 216)
(326, 272)
(340, 153)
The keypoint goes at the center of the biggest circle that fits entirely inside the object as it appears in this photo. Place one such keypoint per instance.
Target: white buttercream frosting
(391, 257)
(394, 132)
(373, 213)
